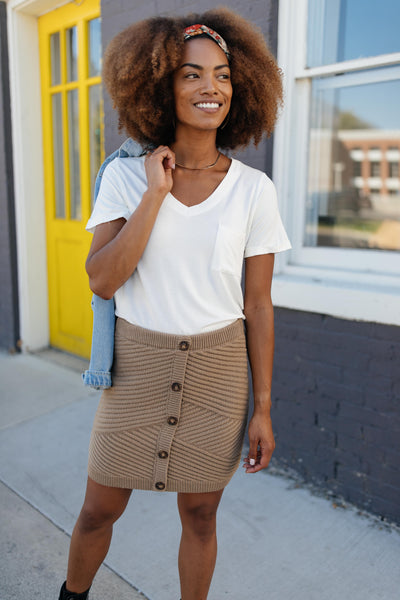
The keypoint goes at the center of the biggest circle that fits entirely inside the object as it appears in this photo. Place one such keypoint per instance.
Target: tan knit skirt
(175, 417)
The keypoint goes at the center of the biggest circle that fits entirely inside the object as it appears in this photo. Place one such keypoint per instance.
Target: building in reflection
(354, 188)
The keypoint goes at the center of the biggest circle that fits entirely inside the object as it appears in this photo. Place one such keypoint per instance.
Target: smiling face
(202, 86)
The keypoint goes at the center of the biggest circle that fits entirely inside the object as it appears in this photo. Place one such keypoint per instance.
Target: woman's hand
(117, 246)
(159, 165)
(262, 443)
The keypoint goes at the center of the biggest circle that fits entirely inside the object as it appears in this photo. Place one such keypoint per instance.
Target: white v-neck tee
(188, 279)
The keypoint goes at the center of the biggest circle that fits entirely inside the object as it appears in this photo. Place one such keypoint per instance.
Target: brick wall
(336, 400)
(9, 318)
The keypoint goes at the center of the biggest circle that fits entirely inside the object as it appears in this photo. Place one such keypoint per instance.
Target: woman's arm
(259, 314)
(118, 245)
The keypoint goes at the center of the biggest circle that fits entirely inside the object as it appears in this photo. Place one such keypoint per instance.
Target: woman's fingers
(261, 443)
(259, 459)
(253, 452)
(159, 165)
(169, 162)
(164, 155)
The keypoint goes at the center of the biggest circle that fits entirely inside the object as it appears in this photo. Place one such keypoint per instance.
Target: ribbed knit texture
(174, 419)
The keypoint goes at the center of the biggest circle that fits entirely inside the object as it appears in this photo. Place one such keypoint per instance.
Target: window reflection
(348, 29)
(74, 163)
(55, 58)
(72, 54)
(95, 131)
(58, 156)
(353, 185)
(94, 32)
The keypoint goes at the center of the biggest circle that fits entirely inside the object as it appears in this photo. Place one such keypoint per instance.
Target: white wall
(28, 168)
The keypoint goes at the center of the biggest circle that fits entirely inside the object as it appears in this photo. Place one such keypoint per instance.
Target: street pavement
(277, 539)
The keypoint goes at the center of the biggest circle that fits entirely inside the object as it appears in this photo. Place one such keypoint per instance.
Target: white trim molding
(28, 168)
(339, 294)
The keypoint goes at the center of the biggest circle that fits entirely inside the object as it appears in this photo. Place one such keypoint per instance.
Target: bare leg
(92, 533)
(198, 548)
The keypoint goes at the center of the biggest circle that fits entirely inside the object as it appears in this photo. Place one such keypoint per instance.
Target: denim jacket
(98, 376)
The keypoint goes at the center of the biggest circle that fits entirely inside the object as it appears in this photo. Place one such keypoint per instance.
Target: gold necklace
(199, 168)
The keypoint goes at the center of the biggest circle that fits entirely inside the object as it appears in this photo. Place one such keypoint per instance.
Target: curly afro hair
(140, 62)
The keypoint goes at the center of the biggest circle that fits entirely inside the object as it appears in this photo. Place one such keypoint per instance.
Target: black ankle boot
(66, 595)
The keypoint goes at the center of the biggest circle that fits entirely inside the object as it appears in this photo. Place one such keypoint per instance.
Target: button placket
(173, 409)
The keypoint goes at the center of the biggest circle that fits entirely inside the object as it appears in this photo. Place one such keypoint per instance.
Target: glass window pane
(55, 58)
(72, 54)
(58, 156)
(95, 137)
(74, 165)
(94, 30)
(353, 196)
(348, 29)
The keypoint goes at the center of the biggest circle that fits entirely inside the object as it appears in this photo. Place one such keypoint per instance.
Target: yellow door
(70, 55)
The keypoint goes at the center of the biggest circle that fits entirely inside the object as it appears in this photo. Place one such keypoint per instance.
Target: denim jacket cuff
(99, 380)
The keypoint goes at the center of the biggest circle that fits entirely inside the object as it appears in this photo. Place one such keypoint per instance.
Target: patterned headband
(194, 30)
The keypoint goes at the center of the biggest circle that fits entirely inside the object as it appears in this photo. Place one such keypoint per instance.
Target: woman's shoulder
(126, 164)
(252, 177)
(128, 169)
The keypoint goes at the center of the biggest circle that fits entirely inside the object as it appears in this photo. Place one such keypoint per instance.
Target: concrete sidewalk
(277, 541)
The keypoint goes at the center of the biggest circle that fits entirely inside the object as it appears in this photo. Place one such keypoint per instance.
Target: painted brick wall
(117, 14)
(336, 400)
(8, 265)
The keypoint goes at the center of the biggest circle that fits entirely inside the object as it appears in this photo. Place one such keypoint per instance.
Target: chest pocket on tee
(228, 251)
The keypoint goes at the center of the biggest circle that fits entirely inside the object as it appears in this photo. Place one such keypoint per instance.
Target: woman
(171, 230)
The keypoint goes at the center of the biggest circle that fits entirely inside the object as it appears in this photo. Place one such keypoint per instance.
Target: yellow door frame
(67, 241)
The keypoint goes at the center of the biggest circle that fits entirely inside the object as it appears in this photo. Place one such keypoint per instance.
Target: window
(357, 168)
(394, 170)
(375, 169)
(345, 111)
(337, 153)
(343, 30)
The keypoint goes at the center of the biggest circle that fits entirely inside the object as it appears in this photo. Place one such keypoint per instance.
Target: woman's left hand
(262, 443)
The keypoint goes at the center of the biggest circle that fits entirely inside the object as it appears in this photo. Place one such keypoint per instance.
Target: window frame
(341, 282)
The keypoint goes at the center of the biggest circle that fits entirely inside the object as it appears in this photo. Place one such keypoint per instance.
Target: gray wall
(336, 384)
(336, 400)
(9, 317)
